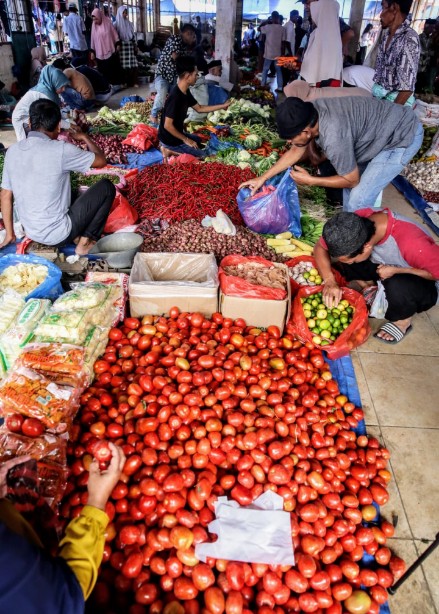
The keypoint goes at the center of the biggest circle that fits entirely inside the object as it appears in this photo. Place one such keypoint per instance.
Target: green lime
(317, 340)
(311, 323)
(344, 319)
(335, 312)
(325, 324)
(325, 334)
(324, 342)
(322, 314)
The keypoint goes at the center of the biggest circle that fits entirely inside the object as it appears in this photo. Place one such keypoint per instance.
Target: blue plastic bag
(272, 213)
(127, 99)
(215, 145)
(50, 288)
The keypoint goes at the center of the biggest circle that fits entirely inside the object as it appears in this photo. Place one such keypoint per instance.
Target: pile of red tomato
(206, 408)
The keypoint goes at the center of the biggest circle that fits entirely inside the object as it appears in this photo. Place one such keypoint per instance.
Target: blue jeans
(163, 88)
(75, 100)
(379, 172)
(187, 149)
(266, 68)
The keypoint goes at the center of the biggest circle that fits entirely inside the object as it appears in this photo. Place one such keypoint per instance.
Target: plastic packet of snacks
(11, 304)
(21, 330)
(119, 283)
(65, 327)
(61, 363)
(26, 392)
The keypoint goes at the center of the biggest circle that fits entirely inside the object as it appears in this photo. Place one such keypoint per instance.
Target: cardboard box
(160, 281)
(258, 312)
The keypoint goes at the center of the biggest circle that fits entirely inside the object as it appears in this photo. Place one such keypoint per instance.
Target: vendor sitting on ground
(379, 245)
(171, 131)
(79, 94)
(368, 141)
(36, 178)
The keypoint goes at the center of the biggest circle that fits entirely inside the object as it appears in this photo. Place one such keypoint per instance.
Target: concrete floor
(398, 389)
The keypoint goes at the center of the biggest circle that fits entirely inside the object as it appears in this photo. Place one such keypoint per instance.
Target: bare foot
(84, 246)
(403, 325)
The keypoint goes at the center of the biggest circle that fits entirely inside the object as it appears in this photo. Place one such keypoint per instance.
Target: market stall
(215, 365)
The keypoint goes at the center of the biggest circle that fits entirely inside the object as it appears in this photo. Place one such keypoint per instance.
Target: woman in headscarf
(323, 60)
(104, 44)
(128, 51)
(52, 82)
(39, 61)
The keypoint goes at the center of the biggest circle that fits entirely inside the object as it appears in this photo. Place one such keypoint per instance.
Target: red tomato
(184, 589)
(32, 427)
(235, 573)
(14, 422)
(214, 600)
(202, 576)
(133, 565)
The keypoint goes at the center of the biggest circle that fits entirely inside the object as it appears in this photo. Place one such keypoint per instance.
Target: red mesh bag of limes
(338, 330)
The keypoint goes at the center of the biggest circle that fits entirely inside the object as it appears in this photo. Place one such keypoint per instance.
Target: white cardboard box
(160, 281)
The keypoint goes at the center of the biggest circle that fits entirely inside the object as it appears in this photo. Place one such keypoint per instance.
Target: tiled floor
(398, 392)
(399, 395)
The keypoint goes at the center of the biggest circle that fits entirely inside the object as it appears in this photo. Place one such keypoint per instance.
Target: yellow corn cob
(301, 245)
(278, 242)
(299, 252)
(284, 235)
(286, 249)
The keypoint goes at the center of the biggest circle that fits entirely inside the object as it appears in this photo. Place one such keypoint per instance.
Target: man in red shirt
(372, 246)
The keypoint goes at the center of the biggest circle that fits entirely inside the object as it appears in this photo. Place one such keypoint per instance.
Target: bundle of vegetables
(112, 146)
(241, 109)
(259, 95)
(79, 179)
(190, 236)
(311, 229)
(120, 117)
(143, 109)
(187, 191)
(243, 159)
(209, 408)
(258, 131)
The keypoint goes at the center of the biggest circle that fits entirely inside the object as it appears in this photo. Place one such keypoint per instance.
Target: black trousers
(406, 294)
(90, 211)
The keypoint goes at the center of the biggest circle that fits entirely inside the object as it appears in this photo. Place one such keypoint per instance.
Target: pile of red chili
(187, 191)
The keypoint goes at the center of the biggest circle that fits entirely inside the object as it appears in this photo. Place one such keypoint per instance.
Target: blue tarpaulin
(411, 194)
(343, 371)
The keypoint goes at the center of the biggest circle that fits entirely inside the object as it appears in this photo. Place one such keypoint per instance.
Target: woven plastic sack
(231, 285)
(354, 335)
(50, 287)
(274, 212)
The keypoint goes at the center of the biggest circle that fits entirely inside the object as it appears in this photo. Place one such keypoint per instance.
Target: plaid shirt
(397, 66)
(166, 65)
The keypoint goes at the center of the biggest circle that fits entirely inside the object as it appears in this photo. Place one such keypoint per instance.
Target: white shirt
(290, 31)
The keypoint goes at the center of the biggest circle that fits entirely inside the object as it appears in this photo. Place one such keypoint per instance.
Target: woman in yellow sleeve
(32, 581)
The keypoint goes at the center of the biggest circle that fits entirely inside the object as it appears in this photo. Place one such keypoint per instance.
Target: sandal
(392, 329)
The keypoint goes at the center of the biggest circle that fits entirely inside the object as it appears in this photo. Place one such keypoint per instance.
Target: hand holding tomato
(101, 483)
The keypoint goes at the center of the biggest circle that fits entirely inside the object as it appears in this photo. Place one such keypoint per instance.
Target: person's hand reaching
(254, 184)
(101, 483)
(332, 294)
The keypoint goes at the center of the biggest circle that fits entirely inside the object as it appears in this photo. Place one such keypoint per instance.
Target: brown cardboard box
(258, 312)
(160, 281)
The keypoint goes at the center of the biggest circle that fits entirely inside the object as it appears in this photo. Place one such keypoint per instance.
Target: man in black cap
(373, 246)
(367, 141)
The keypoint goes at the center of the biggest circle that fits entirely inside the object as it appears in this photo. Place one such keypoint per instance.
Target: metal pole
(392, 590)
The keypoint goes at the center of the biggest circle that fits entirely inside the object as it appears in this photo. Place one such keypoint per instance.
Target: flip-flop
(392, 329)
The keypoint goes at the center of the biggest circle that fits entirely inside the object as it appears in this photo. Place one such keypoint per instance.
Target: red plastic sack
(355, 334)
(122, 214)
(183, 159)
(295, 286)
(236, 286)
(142, 136)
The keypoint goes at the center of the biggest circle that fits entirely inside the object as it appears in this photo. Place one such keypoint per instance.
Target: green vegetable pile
(429, 134)
(244, 159)
(120, 117)
(78, 179)
(241, 109)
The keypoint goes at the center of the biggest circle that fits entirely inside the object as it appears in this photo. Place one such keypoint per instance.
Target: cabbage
(244, 156)
(252, 141)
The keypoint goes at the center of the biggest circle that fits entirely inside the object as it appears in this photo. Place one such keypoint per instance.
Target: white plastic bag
(380, 304)
(221, 223)
(258, 533)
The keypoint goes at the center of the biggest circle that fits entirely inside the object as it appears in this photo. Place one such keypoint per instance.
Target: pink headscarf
(103, 36)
